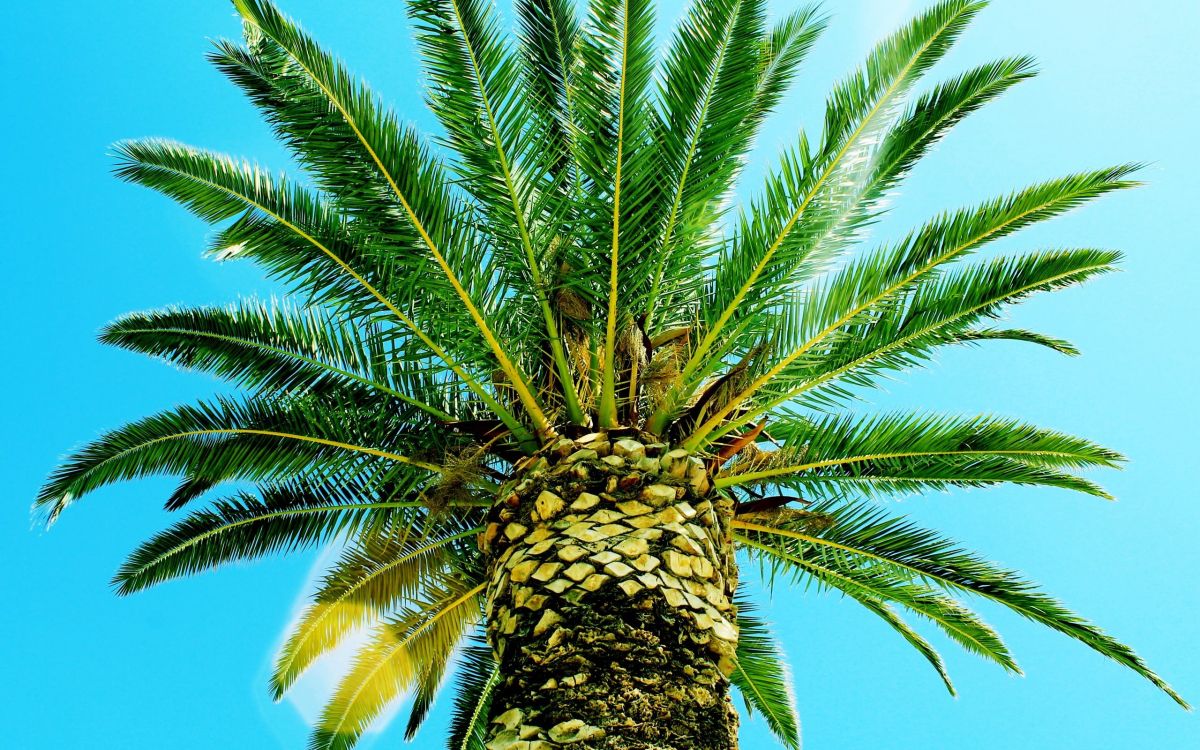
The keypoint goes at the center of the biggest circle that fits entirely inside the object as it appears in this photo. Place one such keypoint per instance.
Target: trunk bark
(609, 606)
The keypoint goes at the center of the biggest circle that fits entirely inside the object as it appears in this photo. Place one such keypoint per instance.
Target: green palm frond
(720, 144)
(284, 517)
(369, 581)
(278, 348)
(311, 435)
(300, 239)
(762, 677)
(703, 131)
(422, 634)
(914, 639)
(918, 129)
(814, 191)
(935, 112)
(289, 229)
(784, 48)
(864, 286)
(976, 335)
(877, 587)
(616, 62)
(879, 275)
(903, 331)
(416, 185)
(477, 679)
(864, 531)
(898, 453)
(548, 35)
(474, 79)
(258, 440)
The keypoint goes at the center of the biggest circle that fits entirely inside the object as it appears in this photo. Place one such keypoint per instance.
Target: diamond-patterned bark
(610, 601)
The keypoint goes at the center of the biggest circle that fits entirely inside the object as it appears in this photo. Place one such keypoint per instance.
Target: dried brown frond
(675, 337)
(631, 358)
(791, 518)
(717, 392)
(753, 458)
(665, 366)
(573, 312)
(460, 468)
(571, 306)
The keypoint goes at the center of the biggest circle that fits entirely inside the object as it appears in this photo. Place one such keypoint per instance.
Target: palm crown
(570, 262)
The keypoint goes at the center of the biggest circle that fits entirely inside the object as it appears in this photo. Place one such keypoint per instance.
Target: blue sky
(185, 665)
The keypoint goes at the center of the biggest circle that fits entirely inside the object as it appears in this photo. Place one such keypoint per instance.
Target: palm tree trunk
(609, 605)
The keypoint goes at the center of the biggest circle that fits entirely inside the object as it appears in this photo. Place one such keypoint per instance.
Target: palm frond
(304, 242)
(477, 679)
(415, 182)
(811, 192)
(976, 335)
(903, 331)
(476, 93)
(881, 274)
(370, 579)
(278, 347)
(221, 440)
(915, 132)
(424, 633)
(875, 587)
(548, 33)
(906, 452)
(428, 683)
(784, 48)
(292, 231)
(877, 279)
(762, 676)
(867, 532)
(616, 62)
(701, 132)
(935, 112)
(677, 288)
(284, 518)
(914, 639)
(863, 594)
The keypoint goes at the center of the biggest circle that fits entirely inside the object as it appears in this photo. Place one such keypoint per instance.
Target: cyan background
(184, 665)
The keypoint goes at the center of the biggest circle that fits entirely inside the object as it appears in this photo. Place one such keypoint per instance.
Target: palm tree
(547, 390)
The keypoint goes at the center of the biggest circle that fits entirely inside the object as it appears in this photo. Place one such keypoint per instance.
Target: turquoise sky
(184, 665)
